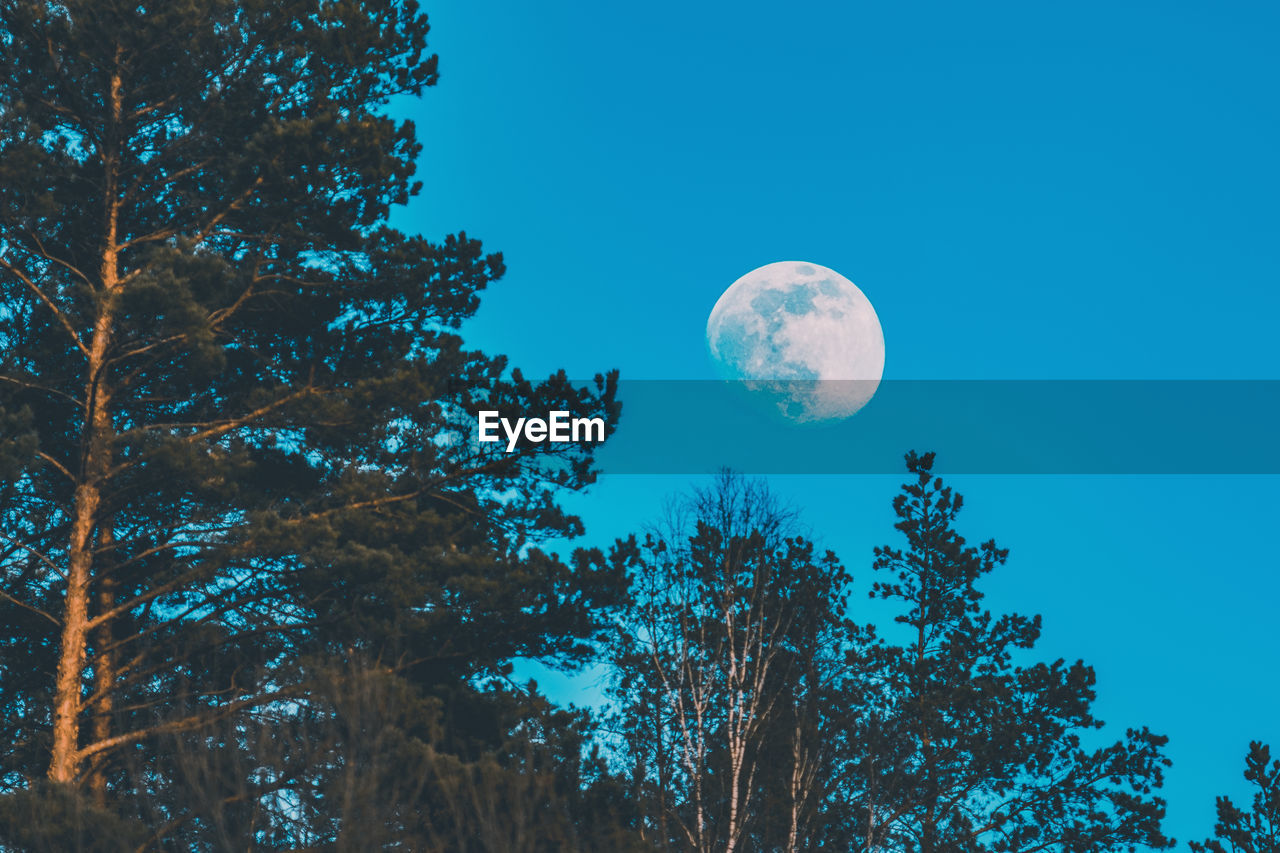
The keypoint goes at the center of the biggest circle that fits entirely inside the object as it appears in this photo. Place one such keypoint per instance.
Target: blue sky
(1087, 192)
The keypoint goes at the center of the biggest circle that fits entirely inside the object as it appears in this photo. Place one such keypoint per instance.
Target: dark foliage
(731, 677)
(1257, 830)
(968, 748)
(235, 418)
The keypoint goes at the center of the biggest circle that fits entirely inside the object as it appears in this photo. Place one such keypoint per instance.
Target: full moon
(802, 333)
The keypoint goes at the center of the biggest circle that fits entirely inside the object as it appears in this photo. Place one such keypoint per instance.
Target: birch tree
(738, 627)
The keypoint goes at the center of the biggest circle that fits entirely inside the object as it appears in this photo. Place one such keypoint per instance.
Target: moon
(802, 333)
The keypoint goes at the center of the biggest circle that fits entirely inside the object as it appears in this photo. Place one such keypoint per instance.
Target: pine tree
(1255, 831)
(234, 407)
(969, 749)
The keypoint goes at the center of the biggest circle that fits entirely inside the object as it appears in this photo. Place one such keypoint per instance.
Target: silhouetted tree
(730, 663)
(235, 414)
(1255, 831)
(966, 747)
(368, 763)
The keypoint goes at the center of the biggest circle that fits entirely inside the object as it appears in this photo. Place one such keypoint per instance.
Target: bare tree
(736, 627)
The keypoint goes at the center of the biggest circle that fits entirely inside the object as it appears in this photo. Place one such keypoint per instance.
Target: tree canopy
(235, 405)
(755, 713)
(730, 676)
(971, 746)
(1256, 830)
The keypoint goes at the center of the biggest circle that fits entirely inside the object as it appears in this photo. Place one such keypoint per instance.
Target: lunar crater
(805, 334)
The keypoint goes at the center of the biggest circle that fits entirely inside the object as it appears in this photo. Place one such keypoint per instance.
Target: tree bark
(64, 765)
(104, 670)
(66, 762)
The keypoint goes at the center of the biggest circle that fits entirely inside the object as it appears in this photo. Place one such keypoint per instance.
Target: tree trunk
(793, 830)
(104, 670)
(64, 766)
(65, 762)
